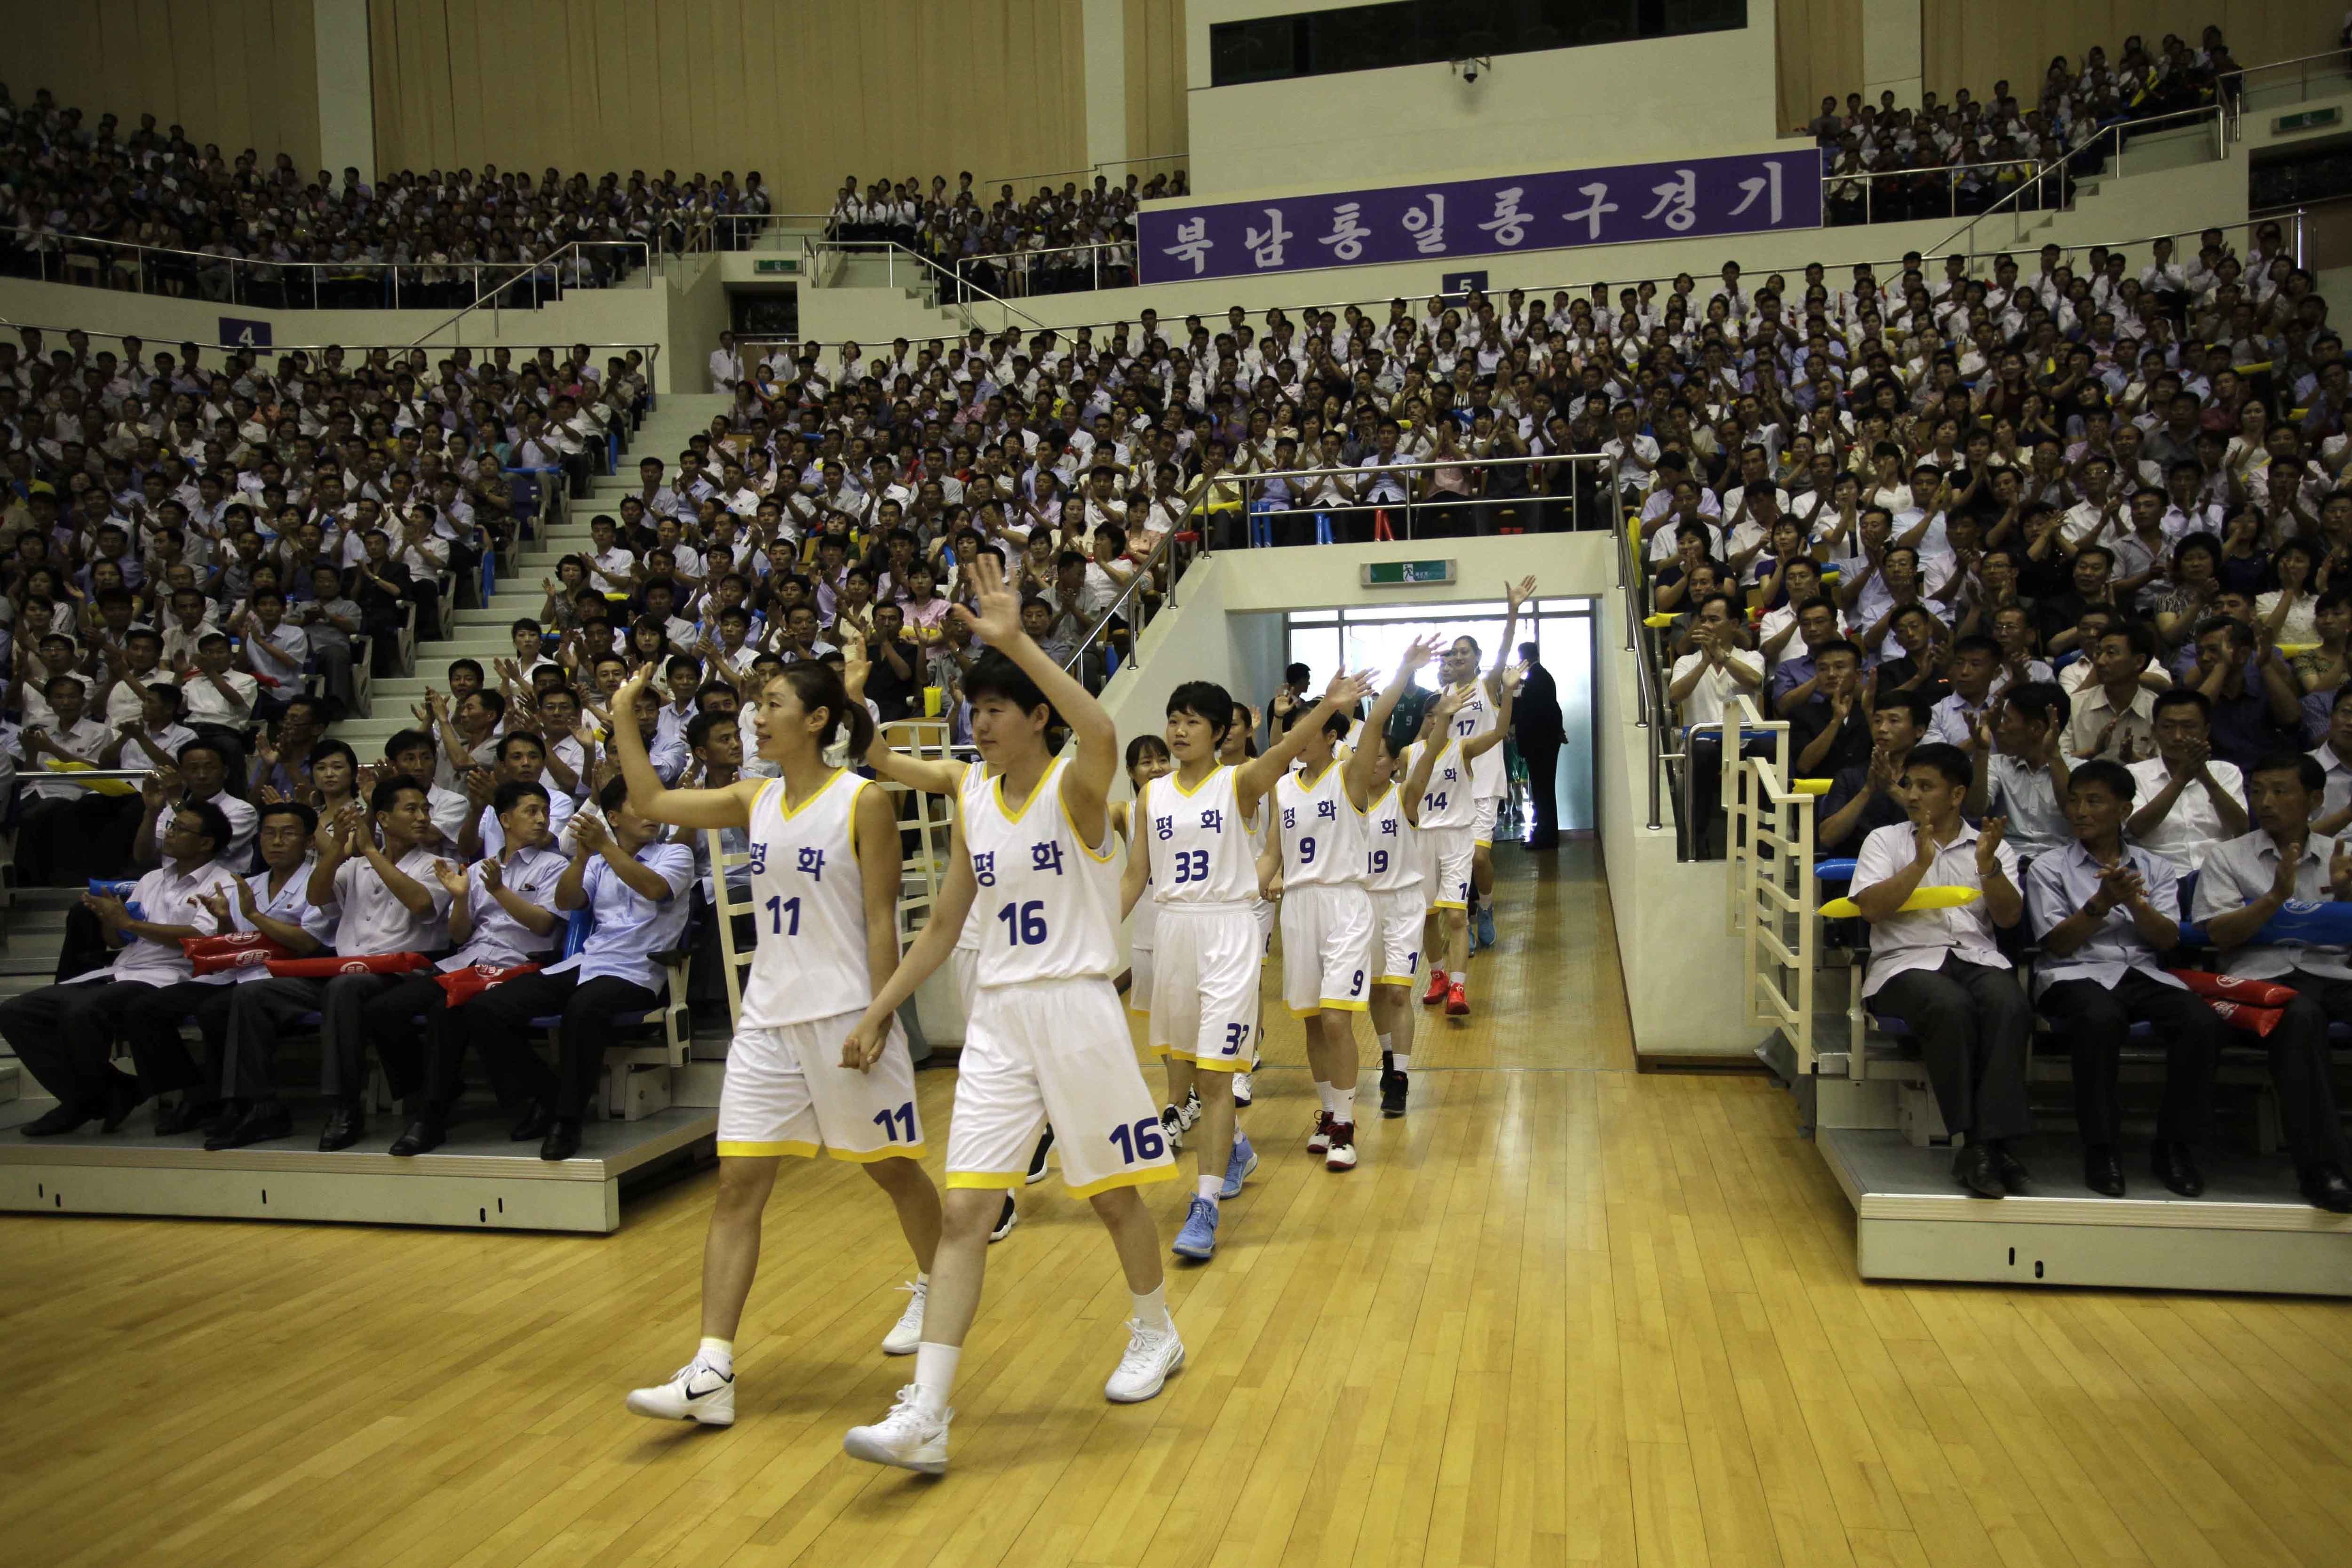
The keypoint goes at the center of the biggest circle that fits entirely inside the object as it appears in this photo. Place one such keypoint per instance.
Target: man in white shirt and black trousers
(388, 899)
(63, 1034)
(1939, 971)
(2105, 913)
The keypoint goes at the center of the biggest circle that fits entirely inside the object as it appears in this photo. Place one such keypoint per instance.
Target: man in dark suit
(1538, 730)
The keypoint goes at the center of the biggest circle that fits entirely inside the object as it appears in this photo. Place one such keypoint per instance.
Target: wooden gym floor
(1564, 1312)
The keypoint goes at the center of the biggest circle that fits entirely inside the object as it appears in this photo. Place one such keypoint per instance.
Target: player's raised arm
(1254, 780)
(1507, 684)
(1086, 785)
(655, 801)
(1357, 776)
(1519, 596)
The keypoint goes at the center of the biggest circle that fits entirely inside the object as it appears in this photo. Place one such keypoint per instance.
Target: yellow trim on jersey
(1326, 1005)
(986, 1181)
(1397, 979)
(1111, 836)
(784, 798)
(1300, 779)
(1449, 904)
(1481, 843)
(1176, 779)
(1150, 1174)
(996, 794)
(873, 1157)
(766, 1151)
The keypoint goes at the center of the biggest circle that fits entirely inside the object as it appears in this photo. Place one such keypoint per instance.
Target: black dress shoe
(2011, 1170)
(345, 1127)
(1972, 1167)
(423, 1136)
(188, 1116)
(59, 1118)
(2175, 1164)
(2326, 1188)
(123, 1096)
(264, 1122)
(2102, 1171)
(562, 1141)
(535, 1123)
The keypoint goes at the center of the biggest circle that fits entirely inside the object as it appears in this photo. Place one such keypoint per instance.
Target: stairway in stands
(35, 922)
(481, 633)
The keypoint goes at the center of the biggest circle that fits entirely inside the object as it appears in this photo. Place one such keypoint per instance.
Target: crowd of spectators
(1941, 160)
(1055, 242)
(185, 219)
(2057, 600)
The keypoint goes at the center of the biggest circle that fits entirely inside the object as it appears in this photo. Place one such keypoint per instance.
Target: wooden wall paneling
(617, 70)
(1021, 56)
(705, 89)
(738, 133)
(467, 79)
(294, 27)
(232, 92)
(991, 58)
(383, 85)
(149, 59)
(767, 121)
(197, 82)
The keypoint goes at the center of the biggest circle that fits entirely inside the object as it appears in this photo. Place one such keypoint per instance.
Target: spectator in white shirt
(388, 899)
(64, 1034)
(219, 701)
(1939, 970)
(44, 847)
(2187, 801)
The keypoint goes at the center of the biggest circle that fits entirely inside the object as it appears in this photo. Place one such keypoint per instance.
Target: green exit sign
(2308, 119)
(767, 266)
(1406, 574)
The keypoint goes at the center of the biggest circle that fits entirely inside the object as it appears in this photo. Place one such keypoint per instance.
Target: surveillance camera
(1470, 73)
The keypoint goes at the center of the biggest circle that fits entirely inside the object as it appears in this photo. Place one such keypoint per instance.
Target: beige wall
(1552, 109)
(243, 73)
(803, 91)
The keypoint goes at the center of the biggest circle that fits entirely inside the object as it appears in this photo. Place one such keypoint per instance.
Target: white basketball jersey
(1143, 921)
(1049, 904)
(1393, 852)
(809, 900)
(1201, 851)
(1476, 718)
(1322, 831)
(1449, 799)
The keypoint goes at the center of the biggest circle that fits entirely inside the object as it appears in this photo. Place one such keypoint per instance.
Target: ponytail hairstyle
(818, 685)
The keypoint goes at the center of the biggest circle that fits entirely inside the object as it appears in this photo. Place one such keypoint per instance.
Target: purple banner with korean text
(1688, 199)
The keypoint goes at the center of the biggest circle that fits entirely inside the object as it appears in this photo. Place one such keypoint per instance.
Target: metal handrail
(515, 271)
(652, 351)
(1090, 170)
(1101, 630)
(2059, 164)
(892, 250)
(1649, 700)
(490, 301)
(1534, 289)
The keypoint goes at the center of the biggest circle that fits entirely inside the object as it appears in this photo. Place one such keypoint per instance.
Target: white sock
(923, 1280)
(1343, 1104)
(935, 1370)
(1323, 1093)
(1239, 1138)
(1459, 976)
(719, 1355)
(1386, 1047)
(1402, 1061)
(1151, 1310)
(1211, 1187)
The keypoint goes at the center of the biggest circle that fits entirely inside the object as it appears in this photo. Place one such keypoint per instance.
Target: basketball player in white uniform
(1448, 818)
(1047, 1041)
(1202, 867)
(824, 891)
(1397, 873)
(1238, 747)
(1488, 785)
(940, 775)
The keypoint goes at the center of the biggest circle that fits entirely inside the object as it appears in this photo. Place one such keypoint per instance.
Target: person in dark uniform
(1538, 730)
